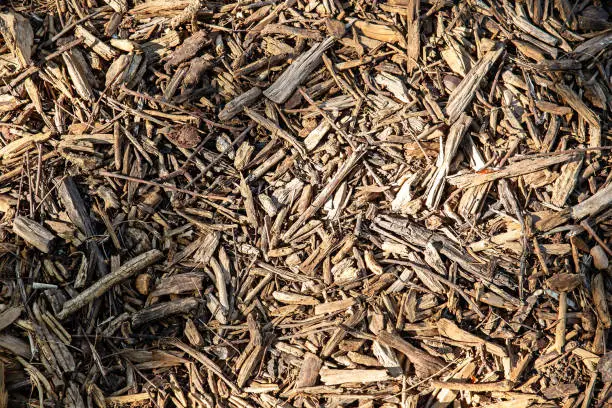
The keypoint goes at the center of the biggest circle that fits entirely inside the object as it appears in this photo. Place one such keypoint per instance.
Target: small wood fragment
(34, 234)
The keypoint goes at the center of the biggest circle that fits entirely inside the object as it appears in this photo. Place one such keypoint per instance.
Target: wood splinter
(297, 72)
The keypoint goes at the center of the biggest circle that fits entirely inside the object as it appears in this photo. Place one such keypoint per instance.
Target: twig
(161, 185)
(100, 287)
(501, 386)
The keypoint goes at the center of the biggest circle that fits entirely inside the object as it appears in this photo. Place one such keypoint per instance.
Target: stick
(594, 235)
(178, 108)
(161, 185)
(336, 377)
(276, 131)
(504, 385)
(594, 204)
(591, 206)
(207, 362)
(561, 323)
(100, 287)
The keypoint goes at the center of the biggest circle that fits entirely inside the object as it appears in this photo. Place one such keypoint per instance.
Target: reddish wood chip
(185, 136)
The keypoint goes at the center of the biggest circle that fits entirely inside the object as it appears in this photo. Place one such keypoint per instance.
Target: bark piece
(163, 310)
(413, 35)
(296, 74)
(578, 104)
(309, 371)
(34, 234)
(100, 48)
(18, 35)
(236, 105)
(380, 32)
(78, 214)
(187, 50)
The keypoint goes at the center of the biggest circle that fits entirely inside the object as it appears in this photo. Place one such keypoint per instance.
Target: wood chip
(320, 203)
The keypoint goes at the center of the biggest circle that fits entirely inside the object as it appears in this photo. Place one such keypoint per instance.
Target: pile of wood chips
(305, 203)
